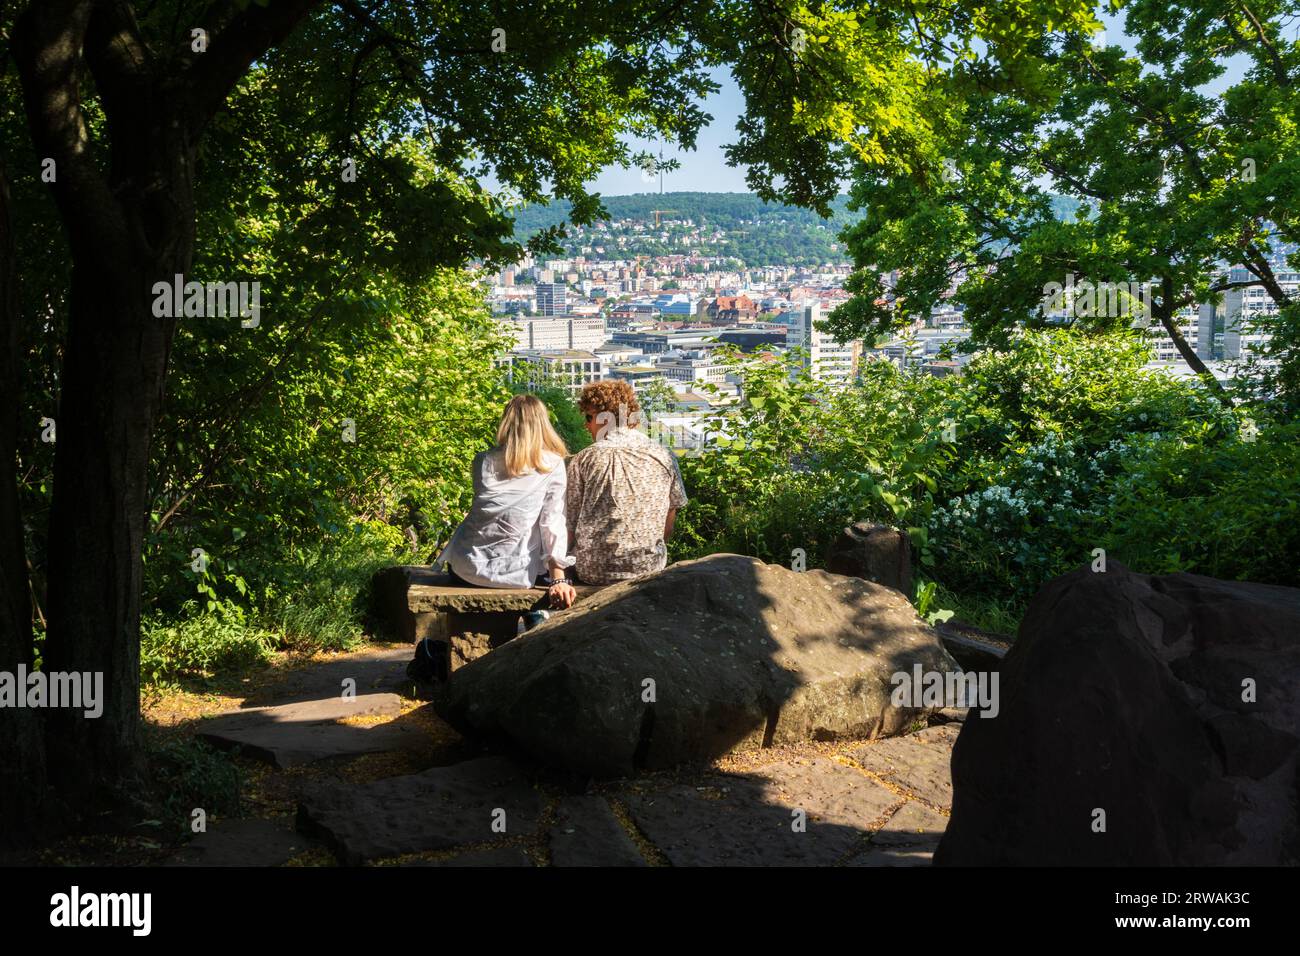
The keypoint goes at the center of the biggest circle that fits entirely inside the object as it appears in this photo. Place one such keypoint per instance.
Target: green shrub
(784, 512)
(199, 643)
(1228, 510)
(312, 599)
(185, 773)
(1005, 476)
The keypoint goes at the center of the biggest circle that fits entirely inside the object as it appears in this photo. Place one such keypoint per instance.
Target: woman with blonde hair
(515, 532)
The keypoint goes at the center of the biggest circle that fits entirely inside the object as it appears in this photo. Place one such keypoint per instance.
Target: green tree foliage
(656, 397)
(1005, 476)
(1176, 171)
(564, 412)
(377, 423)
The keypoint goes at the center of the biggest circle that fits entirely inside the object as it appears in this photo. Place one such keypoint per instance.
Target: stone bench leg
(470, 636)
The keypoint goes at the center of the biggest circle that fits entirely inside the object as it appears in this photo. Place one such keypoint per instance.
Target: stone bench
(419, 602)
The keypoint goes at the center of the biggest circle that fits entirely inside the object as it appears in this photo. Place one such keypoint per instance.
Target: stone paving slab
(894, 856)
(434, 810)
(914, 824)
(288, 735)
(250, 842)
(586, 833)
(919, 763)
(489, 857)
(374, 670)
(748, 820)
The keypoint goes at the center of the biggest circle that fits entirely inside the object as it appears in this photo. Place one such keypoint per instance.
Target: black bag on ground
(430, 662)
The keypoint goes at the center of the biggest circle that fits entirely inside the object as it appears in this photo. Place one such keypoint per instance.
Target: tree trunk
(1165, 313)
(113, 371)
(130, 223)
(22, 754)
(128, 226)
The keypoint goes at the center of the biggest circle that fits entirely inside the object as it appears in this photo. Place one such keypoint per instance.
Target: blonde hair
(525, 433)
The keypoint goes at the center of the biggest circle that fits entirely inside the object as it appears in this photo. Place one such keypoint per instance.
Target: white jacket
(514, 529)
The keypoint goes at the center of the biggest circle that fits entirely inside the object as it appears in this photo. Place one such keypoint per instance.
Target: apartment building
(569, 368)
(552, 298)
(584, 333)
(829, 360)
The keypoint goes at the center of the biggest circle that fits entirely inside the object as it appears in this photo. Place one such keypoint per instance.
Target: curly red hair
(608, 395)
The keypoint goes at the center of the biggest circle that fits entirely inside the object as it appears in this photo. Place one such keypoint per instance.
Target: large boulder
(1145, 720)
(706, 657)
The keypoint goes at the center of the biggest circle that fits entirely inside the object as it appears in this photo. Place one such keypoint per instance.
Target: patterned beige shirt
(620, 491)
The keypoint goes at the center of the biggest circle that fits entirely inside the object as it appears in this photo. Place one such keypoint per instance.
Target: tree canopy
(1181, 154)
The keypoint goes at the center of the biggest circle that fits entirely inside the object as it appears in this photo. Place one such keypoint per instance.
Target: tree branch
(248, 35)
(47, 46)
(122, 65)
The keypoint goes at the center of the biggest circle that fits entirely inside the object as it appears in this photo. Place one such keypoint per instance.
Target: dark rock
(873, 552)
(434, 810)
(1123, 693)
(586, 833)
(742, 654)
(749, 820)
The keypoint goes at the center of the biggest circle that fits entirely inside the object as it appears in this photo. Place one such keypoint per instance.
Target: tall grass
(317, 602)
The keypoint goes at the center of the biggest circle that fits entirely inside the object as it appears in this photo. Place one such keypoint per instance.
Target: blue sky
(703, 170)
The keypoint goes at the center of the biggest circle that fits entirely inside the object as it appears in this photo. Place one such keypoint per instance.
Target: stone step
(289, 735)
(478, 801)
(246, 842)
(972, 648)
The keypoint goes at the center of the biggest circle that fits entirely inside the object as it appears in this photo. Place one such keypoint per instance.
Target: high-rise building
(829, 360)
(1244, 308)
(552, 298)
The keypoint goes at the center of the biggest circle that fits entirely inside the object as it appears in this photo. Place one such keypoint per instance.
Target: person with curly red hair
(624, 490)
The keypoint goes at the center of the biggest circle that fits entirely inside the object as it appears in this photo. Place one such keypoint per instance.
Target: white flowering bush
(1030, 521)
(1005, 476)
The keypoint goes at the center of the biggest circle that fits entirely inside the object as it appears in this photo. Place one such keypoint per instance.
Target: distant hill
(755, 233)
(1064, 207)
(728, 210)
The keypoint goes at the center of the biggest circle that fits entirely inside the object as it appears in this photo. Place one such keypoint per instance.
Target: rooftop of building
(557, 354)
(635, 369)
